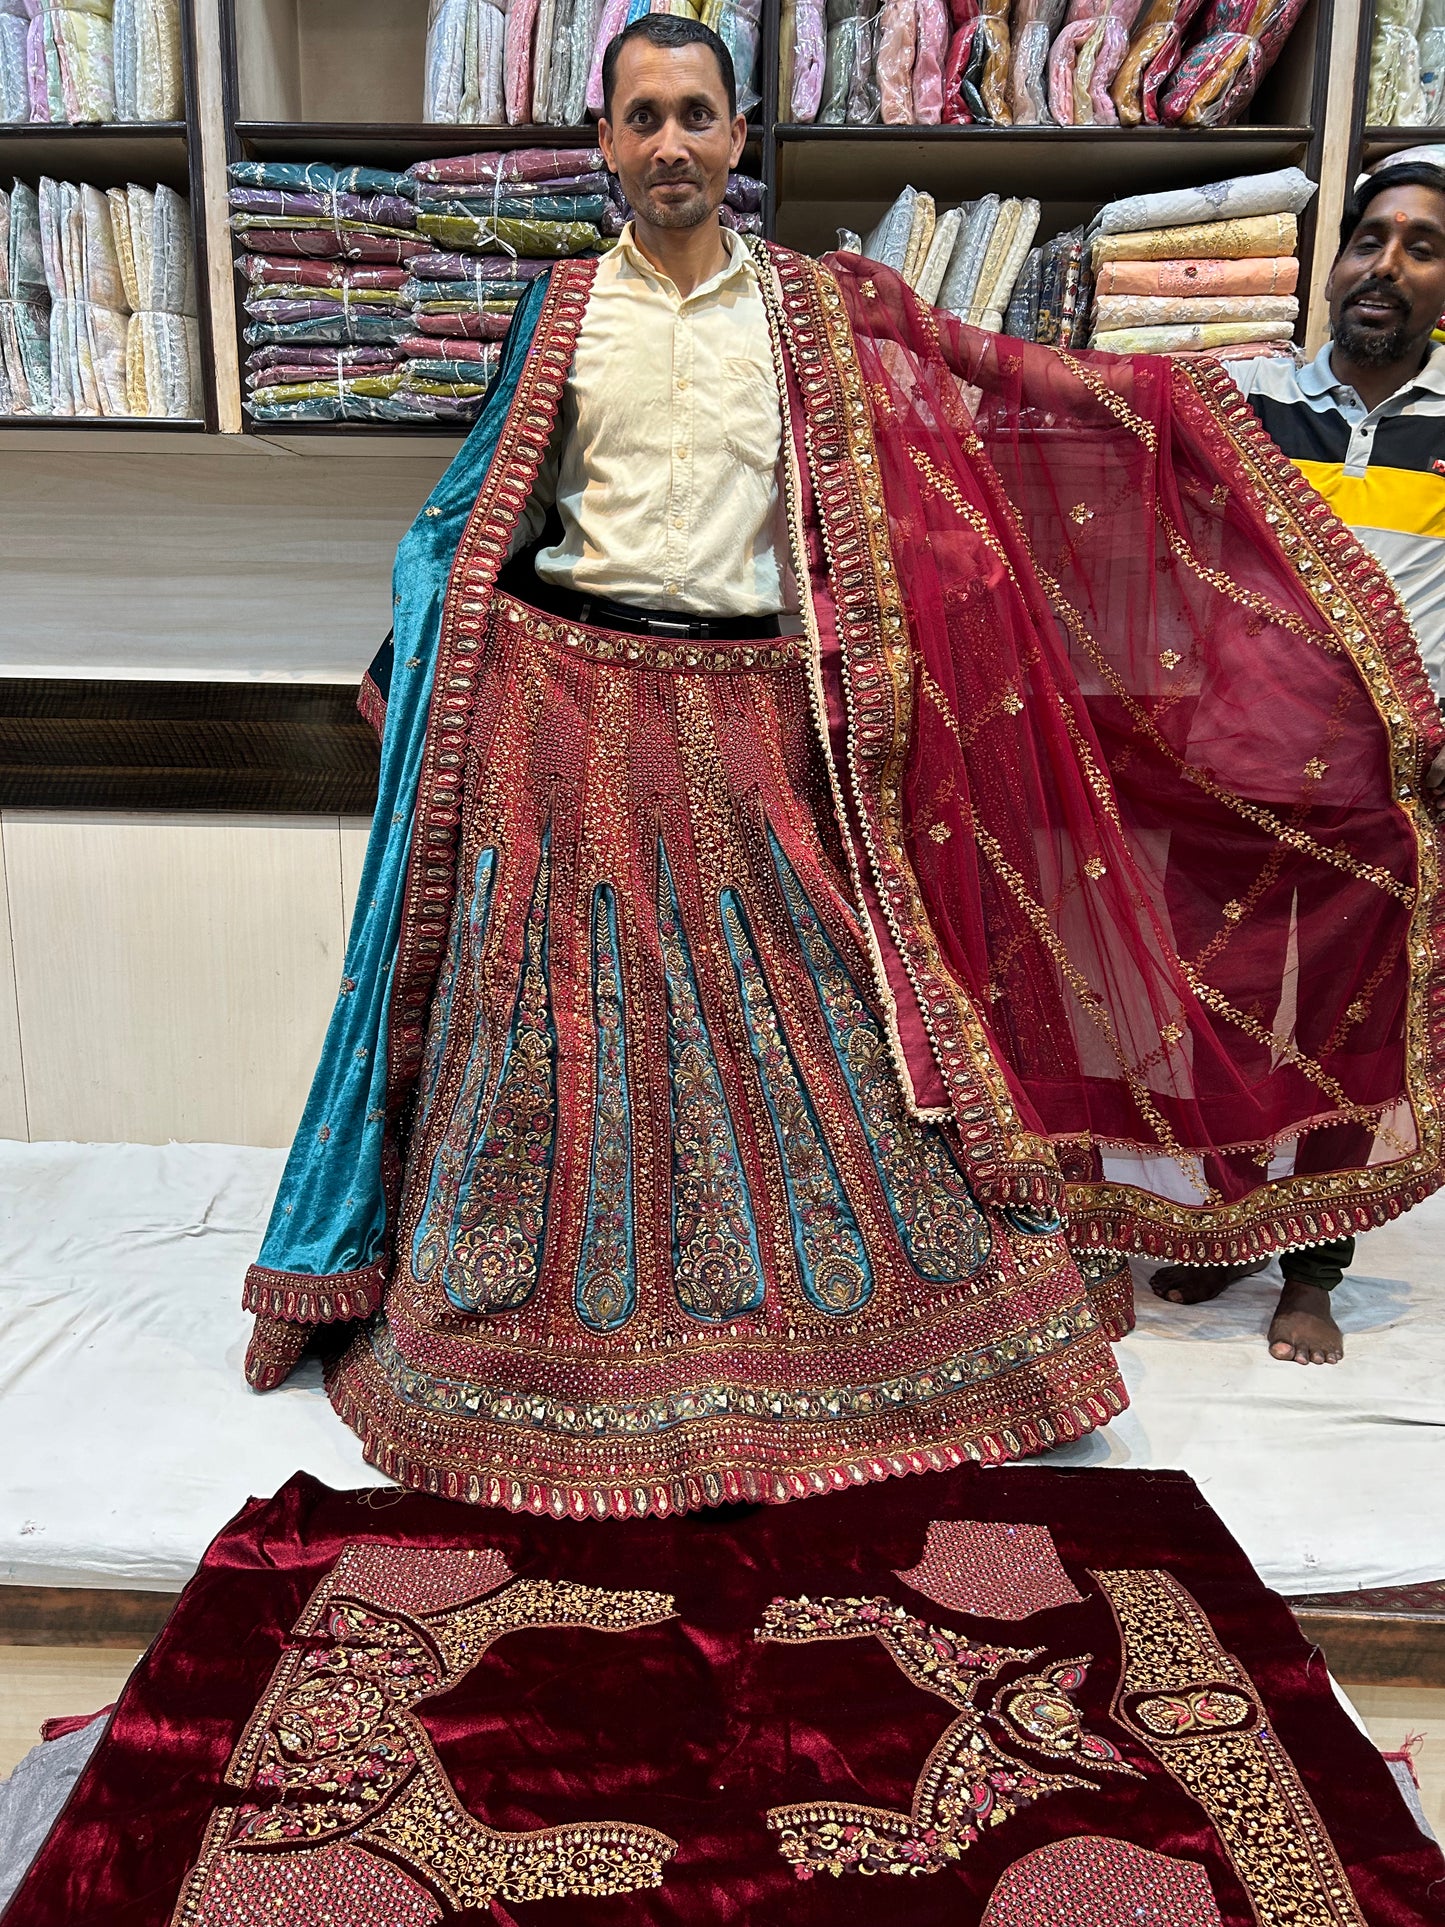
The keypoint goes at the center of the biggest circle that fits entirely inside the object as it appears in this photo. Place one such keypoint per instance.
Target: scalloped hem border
(1133, 1231)
(733, 1484)
(296, 1298)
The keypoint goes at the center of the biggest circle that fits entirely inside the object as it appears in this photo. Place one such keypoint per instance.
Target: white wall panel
(173, 975)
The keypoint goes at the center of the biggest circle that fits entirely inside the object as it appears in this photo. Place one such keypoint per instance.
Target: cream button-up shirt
(665, 469)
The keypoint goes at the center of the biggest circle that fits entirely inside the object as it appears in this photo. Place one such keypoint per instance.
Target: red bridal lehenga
(756, 1008)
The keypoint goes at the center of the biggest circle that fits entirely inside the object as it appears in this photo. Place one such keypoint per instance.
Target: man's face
(1387, 289)
(670, 141)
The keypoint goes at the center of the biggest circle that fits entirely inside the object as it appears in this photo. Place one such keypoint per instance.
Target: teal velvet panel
(330, 1212)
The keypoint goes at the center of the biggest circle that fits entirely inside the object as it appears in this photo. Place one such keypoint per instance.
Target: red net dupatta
(1151, 813)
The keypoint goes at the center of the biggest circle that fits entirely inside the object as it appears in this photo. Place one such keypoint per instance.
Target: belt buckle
(681, 631)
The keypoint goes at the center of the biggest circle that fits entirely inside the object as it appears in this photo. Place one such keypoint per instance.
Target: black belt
(604, 614)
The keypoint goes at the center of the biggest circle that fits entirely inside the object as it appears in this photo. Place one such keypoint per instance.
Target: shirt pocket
(752, 425)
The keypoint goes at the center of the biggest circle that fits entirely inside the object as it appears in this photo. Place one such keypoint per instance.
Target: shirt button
(679, 522)
(682, 381)
(682, 454)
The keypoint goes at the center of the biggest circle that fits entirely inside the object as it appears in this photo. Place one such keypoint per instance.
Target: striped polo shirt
(1382, 470)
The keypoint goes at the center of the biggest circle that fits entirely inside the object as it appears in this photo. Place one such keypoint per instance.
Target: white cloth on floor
(129, 1436)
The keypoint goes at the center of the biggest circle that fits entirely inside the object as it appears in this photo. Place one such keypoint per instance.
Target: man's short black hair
(668, 30)
(1407, 174)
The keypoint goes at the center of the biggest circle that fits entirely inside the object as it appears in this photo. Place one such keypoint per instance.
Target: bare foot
(1303, 1327)
(1197, 1284)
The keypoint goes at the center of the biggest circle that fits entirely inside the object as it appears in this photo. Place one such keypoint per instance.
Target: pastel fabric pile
(495, 63)
(1200, 270)
(1195, 63)
(24, 306)
(152, 232)
(378, 296)
(1407, 65)
(966, 260)
(97, 302)
(89, 61)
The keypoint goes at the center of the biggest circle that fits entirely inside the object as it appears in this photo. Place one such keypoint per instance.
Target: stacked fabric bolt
(24, 306)
(375, 296)
(1051, 296)
(966, 260)
(152, 232)
(1031, 62)
(539, 62)
(90, 60)
(98, 313)
(1208, 269)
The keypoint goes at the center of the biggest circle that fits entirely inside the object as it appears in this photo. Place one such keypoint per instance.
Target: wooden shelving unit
(342, 80)
(114, 154)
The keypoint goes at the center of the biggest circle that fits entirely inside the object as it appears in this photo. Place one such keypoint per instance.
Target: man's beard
(691, 212)
(1372, 347)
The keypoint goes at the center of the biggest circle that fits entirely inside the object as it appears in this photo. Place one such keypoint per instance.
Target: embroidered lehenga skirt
(668, 1233)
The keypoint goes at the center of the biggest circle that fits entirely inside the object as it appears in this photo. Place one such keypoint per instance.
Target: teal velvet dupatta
(324, 1252)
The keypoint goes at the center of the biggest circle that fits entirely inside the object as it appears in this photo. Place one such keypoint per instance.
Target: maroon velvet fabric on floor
(1172, 1706)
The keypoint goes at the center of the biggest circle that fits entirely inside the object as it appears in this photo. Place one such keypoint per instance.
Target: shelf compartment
(107, 156)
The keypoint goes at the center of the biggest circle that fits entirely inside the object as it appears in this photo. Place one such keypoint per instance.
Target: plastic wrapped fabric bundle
(940, 253)
(888, 243)
(544, 60)
(930, 53)
(1000, 245)
(582, 36)
(736, 22)
(1287, 190)
(521, 20)
(1432, 62)
(152, 232)
(485, 268)
(1154, 53)
(1204, 240)
(961, 275)
(1087, 53)
(533, 165)
(920, 237)
(1035, 23)
(996, 283)
(320, 177)
(809, 45)
(1218, 76)
(149, 80)
(865, 98)
(42, 66)
(25, 312)
(14, 42)
(965, 16)
(1199, 337)
(81, 37)
(897, 46)
(465, 60)
(839, 55)
(308, 207)
(611, 19)
(1396, 97)
(1056, 307)
(1021, 316)
(475, 197)
(327, 244)
(1263, 274)
(985, 81)
(89, 312)
(1100, 59)
(483, 234)
(503, 205)
(1156, 311)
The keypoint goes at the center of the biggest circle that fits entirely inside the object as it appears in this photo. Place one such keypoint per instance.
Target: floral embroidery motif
(968, 1784)
(606, 1289)
(943, 1231)
(433, 1228)
(496, 1250)
(1037, 1712)
(990, 1571)
(1196, 1710)
(832, 1258)
(344, 1766)
(717, 1270)
(1033, 1223)
(1101, 1883)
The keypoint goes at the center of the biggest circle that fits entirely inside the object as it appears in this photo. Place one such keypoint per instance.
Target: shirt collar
(1317, 377)
(739, 262)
